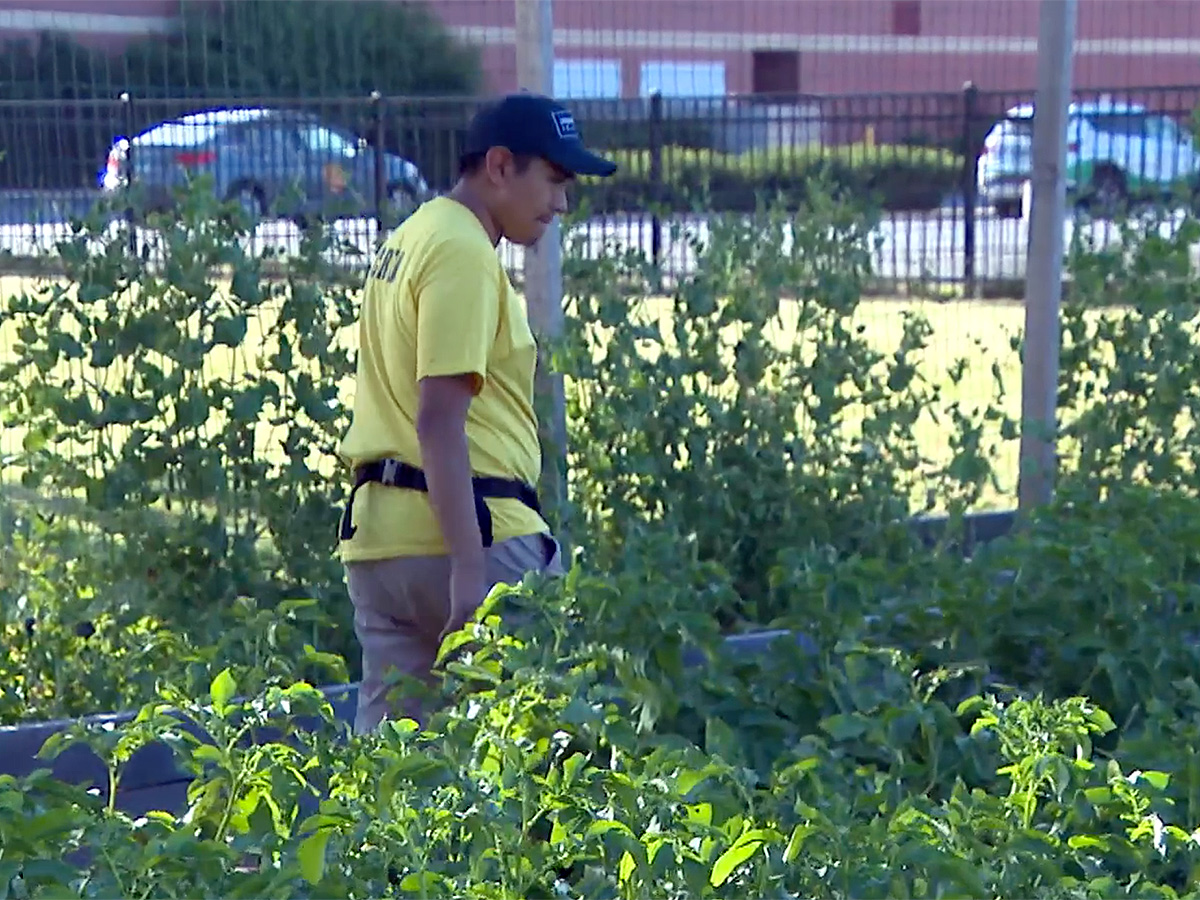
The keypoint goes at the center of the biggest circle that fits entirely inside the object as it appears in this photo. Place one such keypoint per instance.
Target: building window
(587, 79)
(683, 79)
(906, 17)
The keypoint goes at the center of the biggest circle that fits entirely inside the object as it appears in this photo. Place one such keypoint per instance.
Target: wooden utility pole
(543, 268)
(1044, 260)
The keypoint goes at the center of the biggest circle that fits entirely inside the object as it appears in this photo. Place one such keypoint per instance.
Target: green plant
(855, 774)
(1021, 722)
(748, 412)
(205, 395)
(894, 176)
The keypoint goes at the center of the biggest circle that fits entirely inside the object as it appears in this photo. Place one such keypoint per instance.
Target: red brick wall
(711, 26)
(859, 49)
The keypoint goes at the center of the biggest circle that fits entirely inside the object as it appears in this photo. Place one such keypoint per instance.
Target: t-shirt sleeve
(458, 312)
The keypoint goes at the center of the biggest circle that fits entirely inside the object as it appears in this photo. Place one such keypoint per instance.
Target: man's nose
(560, 201)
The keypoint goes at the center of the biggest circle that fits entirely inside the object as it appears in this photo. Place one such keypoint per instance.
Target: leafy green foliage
(209, 445)
(261, 49)
(895, 177)
(568, 761)
(1017, 723)
(750, 411)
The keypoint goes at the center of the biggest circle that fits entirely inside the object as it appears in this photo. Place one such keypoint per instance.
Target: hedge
(897, 177)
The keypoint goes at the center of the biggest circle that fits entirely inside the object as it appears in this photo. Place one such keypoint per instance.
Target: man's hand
(441, 430)
(467, 590)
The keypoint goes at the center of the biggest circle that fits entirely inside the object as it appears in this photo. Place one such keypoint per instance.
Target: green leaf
(699, 813)
(687, 779)
(739, 853)
(795, 843)
(469, 672)
(229, 331)
(222, 690)
(578, 712)
(603, 826)
(844, 727)
(35, 440)
(423, 884)
(1159, 780)
(1102, 720)
(246, 286)
(48, 872)
(969, 705)
(454, 642)
(311, 855)
(247, 405)
(1089, 842)
(721, 740)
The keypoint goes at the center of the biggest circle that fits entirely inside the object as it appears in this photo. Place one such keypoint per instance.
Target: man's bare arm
(441, 430)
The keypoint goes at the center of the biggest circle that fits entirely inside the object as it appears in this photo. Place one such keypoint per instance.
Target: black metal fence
(950, 195)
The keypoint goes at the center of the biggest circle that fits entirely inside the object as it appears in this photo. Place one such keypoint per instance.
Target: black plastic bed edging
(151, 779)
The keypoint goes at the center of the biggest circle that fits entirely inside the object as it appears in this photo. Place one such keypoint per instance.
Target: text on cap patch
(564, 124)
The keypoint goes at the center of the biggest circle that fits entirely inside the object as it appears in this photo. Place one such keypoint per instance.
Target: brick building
(714, 47)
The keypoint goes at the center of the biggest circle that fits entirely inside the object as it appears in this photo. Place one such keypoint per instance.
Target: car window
(325, 140)
(197, 128)
(179, 134)
(1163, 128)
(1020, 127)
(1120, 124)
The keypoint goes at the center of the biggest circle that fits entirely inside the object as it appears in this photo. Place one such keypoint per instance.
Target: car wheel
(1108, 191)
(1008, 209)
(251, 200)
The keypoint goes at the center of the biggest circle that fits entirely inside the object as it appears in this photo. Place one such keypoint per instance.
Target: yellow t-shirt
(437, 301)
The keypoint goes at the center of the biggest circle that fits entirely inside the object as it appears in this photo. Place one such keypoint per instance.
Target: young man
(444, 440)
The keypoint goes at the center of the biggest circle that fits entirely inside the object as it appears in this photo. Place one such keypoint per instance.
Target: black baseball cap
(534, 125)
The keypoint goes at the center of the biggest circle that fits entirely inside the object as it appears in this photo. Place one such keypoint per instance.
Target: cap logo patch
(564, 124)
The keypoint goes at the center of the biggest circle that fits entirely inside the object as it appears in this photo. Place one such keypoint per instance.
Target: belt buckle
(390, 468)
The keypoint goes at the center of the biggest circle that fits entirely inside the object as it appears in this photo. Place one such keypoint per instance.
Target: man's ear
(498, 163)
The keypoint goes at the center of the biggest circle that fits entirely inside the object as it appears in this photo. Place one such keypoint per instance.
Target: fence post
(377, 111)
(127, 119)
(655, 139)
(969, 183)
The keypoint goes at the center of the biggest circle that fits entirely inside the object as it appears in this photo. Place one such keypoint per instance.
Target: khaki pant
(401, 606)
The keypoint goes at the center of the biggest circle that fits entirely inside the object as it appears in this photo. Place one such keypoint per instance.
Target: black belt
(394, 473)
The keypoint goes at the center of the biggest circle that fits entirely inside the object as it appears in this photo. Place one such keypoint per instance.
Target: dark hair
(470, 163)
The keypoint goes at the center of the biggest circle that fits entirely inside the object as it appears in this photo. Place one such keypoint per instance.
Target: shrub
(750, 410)
(1016, 723)
(893, 177)
(199, 440)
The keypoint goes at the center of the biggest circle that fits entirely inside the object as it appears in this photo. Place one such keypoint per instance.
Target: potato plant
(1020, 722)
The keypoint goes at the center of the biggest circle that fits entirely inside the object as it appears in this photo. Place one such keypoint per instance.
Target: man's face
(527, 201)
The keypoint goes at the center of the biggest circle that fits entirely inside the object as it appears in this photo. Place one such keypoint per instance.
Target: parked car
(1115, 151)
(273, 161)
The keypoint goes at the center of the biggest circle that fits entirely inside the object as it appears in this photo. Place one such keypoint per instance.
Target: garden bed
(997, 712)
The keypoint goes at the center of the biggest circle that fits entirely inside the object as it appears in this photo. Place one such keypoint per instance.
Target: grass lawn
(978, 332)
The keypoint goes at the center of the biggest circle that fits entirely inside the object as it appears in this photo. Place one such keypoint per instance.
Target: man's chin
(534, 239)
